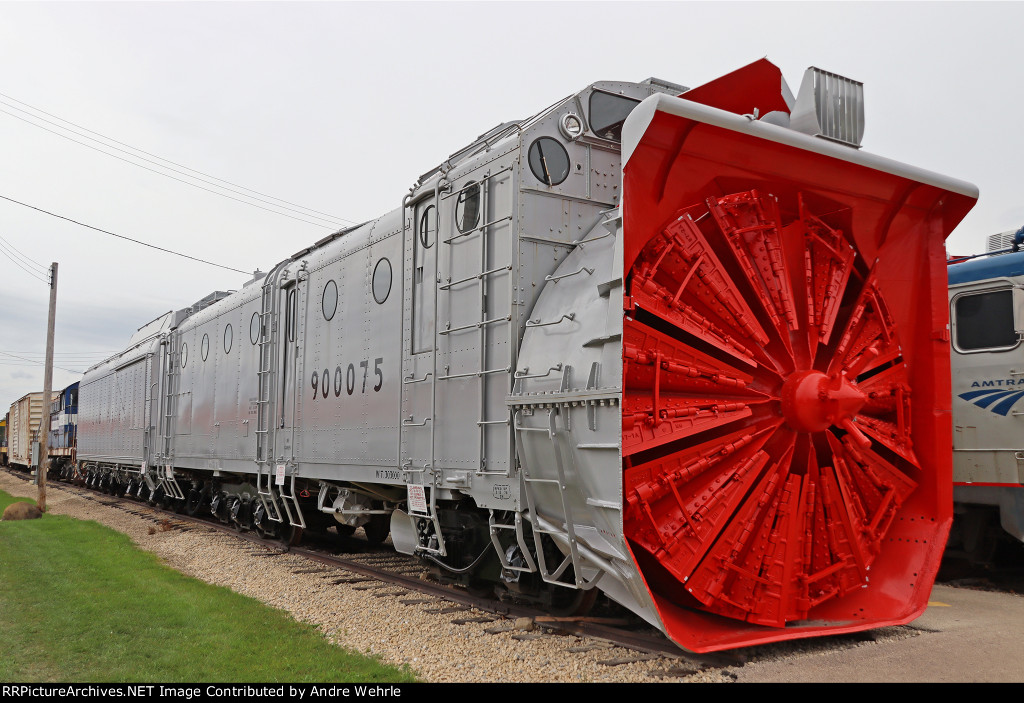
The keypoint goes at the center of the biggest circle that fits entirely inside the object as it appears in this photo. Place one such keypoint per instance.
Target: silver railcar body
(986, 298)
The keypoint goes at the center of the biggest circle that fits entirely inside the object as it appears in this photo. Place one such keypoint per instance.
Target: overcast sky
(339, 107)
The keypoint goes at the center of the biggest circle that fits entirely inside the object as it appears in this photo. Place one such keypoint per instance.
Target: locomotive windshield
(608, 112)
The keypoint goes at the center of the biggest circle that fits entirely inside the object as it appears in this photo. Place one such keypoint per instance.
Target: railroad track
(353, 561)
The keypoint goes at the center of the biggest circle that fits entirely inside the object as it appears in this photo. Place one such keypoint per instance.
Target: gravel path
(435, 648)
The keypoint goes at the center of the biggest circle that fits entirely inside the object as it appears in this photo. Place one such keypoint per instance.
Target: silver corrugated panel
(999, 242)
(830, 106)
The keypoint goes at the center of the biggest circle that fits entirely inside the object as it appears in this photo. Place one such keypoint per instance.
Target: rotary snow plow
(786, 402)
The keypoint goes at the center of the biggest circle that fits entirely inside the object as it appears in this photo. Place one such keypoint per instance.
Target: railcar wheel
(377, 529)
(219, 507)
(291, 534)
(194, 501)
(261, 523)
(234, 511)
(572, 602)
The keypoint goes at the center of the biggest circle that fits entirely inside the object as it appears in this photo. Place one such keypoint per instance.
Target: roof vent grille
(830, 106)
(1000, 242)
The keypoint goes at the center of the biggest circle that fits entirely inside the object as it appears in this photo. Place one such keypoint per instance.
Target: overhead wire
(167, 175)
(41, 363)
(147, 153)
(24, 256)
(121, 236)
(56, 353)
(23, 267)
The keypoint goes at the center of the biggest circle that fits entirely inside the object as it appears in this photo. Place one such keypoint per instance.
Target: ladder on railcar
(267, 374)
(483, 326)
(169, 405)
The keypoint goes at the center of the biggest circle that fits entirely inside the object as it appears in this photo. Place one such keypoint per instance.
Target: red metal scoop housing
(786, 407)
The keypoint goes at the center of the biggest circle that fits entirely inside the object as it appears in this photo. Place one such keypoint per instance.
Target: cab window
(984, 320)
(608, 112)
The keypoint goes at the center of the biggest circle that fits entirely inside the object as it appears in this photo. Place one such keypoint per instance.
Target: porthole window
(428, 227)
(467, 209)
(205, 348)
(382, 280)
(229, 337)
(254, 328)
(549, 161)
(571, 126)
(184, 354)
(330, 300)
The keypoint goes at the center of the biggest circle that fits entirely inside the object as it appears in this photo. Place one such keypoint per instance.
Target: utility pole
(44, 421)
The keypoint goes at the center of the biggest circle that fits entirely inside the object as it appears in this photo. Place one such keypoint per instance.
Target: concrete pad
(963, 636)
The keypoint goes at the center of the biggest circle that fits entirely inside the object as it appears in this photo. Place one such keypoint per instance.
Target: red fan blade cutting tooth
(676, 506)
(823, 577)
(752, 226)
(869, 335)
(731, 577)
(674, 391)
(882, 486)
(886, 415)
(679, 277)
(842, 517)
(828, 262)
(873, 488)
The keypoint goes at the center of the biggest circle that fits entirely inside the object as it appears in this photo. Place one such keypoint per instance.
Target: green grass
(80, 603)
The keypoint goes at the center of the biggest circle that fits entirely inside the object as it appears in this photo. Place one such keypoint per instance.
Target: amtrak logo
(997, 400)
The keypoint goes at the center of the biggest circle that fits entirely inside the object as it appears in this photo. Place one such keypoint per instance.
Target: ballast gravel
(361, 619)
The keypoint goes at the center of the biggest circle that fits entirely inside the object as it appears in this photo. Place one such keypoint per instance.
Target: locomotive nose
(785, 402)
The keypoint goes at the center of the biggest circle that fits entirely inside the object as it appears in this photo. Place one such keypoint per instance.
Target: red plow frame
(786, 406)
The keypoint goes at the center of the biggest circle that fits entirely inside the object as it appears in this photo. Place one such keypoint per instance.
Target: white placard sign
(417, 499)
(279, 475)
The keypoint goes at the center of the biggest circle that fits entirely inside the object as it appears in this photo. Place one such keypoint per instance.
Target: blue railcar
(63, 431)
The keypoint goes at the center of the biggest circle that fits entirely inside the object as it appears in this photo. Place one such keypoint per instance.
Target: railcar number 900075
(348, 378)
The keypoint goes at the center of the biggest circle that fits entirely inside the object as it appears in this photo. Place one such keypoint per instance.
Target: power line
(76, 353)
(147, 153)
(25, 257)
(40, 363)
(121, 236)
(22, 266)
(167, 175)
(335, 222)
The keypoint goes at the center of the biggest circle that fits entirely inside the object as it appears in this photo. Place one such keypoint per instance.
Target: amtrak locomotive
(986, 299)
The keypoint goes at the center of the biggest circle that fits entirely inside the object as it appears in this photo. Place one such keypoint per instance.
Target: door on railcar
(287, 412)
(418, 367)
